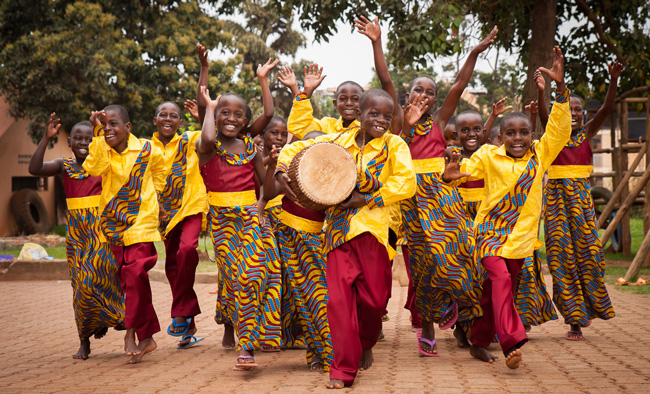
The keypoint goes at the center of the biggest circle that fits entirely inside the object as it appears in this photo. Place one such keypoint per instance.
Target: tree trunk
(542, 41)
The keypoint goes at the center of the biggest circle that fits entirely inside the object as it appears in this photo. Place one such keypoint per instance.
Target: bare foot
(482, 354)
(145, 346)
(191, 331)
(316, 366)
(130, 347)
(84, 350)
(228, 340)
(366, 360)
(461, 338)
(99, 334)
(335, 384)
(513, 359)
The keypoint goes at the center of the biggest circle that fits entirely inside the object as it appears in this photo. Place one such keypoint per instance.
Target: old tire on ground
(30, 212)
(601, 193)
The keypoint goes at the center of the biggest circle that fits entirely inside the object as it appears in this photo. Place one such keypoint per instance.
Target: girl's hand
(368, 29)
(615, 70)
(539, 81)
(97, 118)
(532, 107)
(489, 40)
(499, 108)
(53, 126)
(263, 70)
(203, 55)
(192, 107)
(452, 168)
(414, 111)
(287, 77)
(209, 103)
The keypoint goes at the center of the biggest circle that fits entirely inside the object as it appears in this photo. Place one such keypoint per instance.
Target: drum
(322, 175)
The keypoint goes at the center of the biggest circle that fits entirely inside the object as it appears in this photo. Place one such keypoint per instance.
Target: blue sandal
(185, 326)
(191, 343)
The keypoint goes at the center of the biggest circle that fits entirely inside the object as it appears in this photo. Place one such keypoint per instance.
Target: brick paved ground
(39, 338)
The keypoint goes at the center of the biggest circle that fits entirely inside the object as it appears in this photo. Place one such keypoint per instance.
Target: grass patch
(636, 234)
(613, 273)
(58, 252)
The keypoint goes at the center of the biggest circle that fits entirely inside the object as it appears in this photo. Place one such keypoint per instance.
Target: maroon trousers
(180, 265)
(410, 295)
(500, 316)
(359, 283)
(134, 261)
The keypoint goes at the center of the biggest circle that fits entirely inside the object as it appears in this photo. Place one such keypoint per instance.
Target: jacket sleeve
(97, 162)
(558, 130)
(301, 118)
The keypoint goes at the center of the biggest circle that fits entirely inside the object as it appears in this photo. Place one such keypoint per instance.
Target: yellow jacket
(387, 177)
(183, 177)
(138, 201)
(301, 120)
(501, 174)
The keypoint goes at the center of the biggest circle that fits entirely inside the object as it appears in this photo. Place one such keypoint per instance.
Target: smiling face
(424, 86)
(80, 138)
(469, 128)
(231, 116)
(347, 101)
(577, 113)
(516, 135)
(167, 120)
(376, 116)
(275, 134)
(116, 131)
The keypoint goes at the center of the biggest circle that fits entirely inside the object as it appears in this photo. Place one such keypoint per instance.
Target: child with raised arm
(232, 169)
(356, 240)
(505, 226)
(133, 176)
(437, 229)
(184, 199)
(97, 299)
(574, 253)
(301, 119)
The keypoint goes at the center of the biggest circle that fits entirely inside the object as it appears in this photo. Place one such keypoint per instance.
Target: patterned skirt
(531, 298)
(97, 299)
(249, 284)
(441, 250)
(301, 254)
(574, 253)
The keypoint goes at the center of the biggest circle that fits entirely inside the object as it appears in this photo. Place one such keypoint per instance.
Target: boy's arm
(203, 80)
(615, 70)
(263, 120)
(97, 162)
(441, 117)
(498, 108)
(401, 184)
(373, 32)
(287, 77)
(301, 118)
(36, 165)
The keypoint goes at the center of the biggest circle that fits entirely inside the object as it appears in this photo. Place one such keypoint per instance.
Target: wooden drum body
(322, 175)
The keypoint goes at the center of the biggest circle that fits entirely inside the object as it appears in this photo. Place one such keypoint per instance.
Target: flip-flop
(385, 318)
(453, 308)
(577, 336)
(245, 366)
(381, 338)
(186, 326)
(191, 343)
(429, 342)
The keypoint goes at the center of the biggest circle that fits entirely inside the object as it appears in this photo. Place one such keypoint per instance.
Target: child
(133, 174)
(574, 253)
(300, 238)
(97, 299)
(301, 119)
(505, 224)
(229, 167)
(184, 199)
(356, 239)
(436, 226)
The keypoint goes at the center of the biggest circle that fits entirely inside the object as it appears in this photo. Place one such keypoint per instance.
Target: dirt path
(40, 337)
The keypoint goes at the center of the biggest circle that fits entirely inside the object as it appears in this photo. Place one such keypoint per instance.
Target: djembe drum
(322, 175)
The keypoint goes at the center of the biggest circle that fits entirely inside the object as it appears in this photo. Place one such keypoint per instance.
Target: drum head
(327, 173)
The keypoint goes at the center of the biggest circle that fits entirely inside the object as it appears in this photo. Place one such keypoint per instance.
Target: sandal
(242, 365)
(185, 326)
(574, 336)
(453, 308)
(429, 342)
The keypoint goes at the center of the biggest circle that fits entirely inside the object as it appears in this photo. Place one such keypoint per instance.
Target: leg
(483, 327)
(84, 350)
(410, 298)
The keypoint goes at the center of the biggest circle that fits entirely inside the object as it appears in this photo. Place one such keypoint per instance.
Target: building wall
(15, 142)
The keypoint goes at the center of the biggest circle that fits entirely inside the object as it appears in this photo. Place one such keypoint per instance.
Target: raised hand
(274, 154)
(263, 70)
(97, 117)
(489, 40)
(556, 72)
(414, 111)
(53, 126)
(452, 168)
(532, 107)
(203, 55)
(367, 28)
(313, 78)
(539, 80)
(499, 108)
(287, 77)
(615, 70)
(192, 107)
(209, 103)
